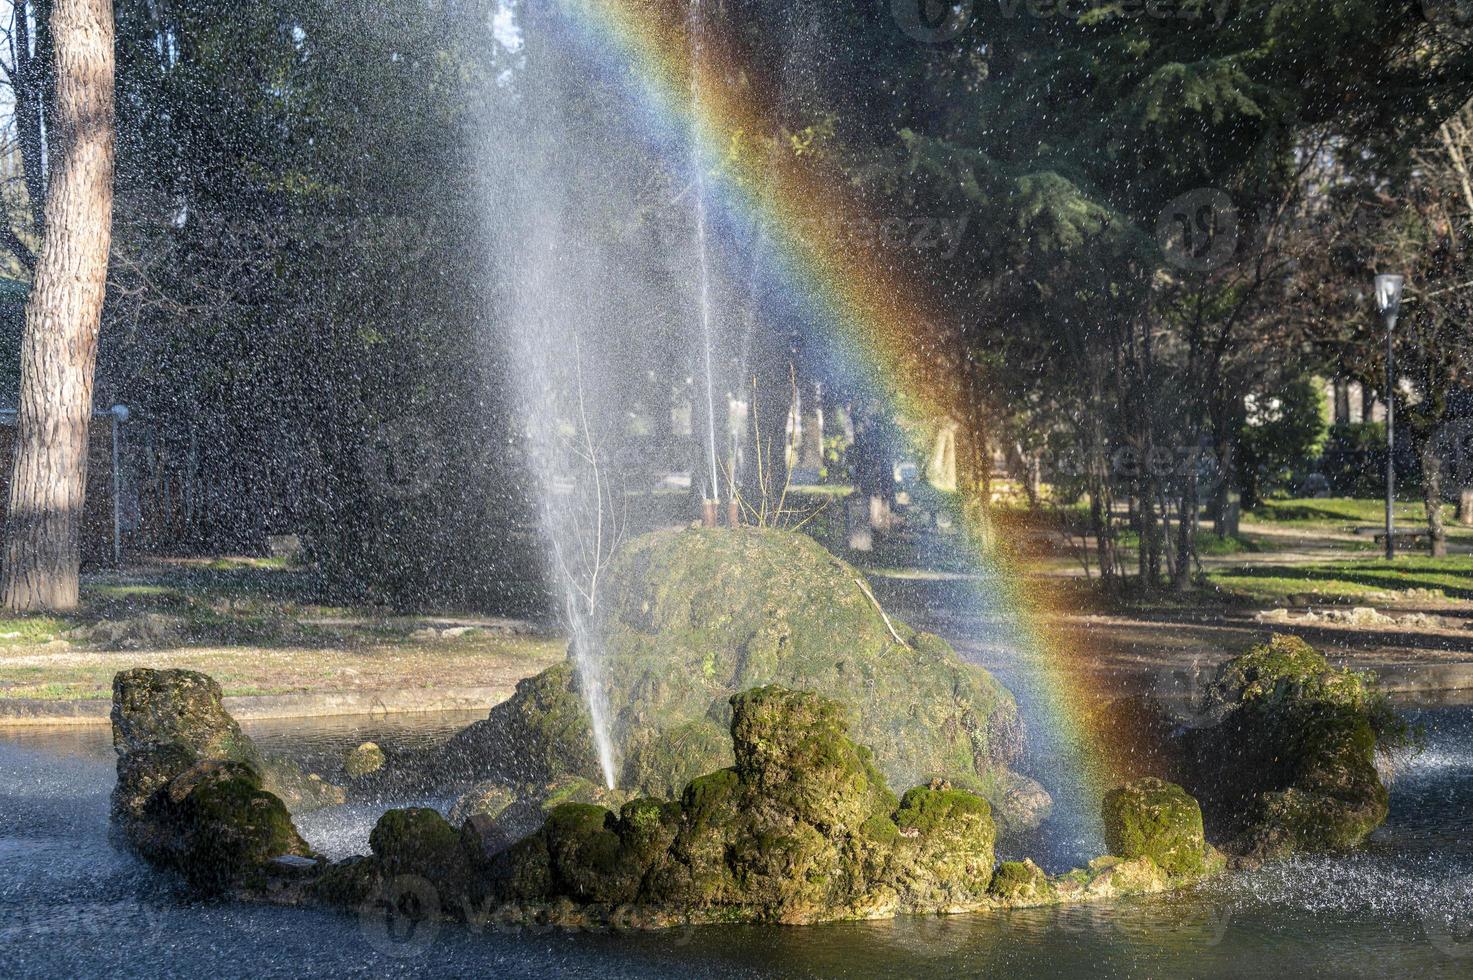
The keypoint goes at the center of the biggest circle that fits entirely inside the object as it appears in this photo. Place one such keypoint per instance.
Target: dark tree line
(1165, 217)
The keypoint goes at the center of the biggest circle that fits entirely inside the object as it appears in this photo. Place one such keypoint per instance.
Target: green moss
(219, 827)
(709, 796)
(1158, 820)
(927, 809)
(1292, 767)
(417, 841)
(1266, 670)
(541, 734)
(1021, 883)
(663, 764)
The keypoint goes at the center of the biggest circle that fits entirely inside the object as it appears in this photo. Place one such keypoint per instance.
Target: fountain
(711, 499)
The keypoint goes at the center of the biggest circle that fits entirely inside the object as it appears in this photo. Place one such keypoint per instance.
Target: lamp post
(118, 415)
(1388, 302)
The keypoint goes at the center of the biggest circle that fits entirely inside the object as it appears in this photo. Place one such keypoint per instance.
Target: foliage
(1284, 434)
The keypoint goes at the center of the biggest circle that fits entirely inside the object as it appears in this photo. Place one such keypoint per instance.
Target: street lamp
(1388, 302)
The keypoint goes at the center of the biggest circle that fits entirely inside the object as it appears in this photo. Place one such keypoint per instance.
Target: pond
(71, 905)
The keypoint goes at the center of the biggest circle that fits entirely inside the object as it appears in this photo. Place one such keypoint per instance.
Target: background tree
(63, 317)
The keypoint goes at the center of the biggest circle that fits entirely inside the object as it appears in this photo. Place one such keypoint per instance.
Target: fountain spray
(710, 506)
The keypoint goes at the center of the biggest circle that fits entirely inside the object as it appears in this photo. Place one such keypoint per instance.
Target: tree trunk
(1432, 497)
(1186, 541)
(63, 317)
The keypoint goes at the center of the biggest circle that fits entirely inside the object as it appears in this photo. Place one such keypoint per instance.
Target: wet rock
(165, 721)
(801, 829)
(1151, 818)
(1024, 804)
(418, 841)
(218, 828)
(366, 758)
(541, 733)
(486, 799)
(1291, 767)
(1021, 884)
(695, 616)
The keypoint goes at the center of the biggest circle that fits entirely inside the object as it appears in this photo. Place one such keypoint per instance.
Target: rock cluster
(802, 828)
(166, 723)
(1289, 764)
(695, 616)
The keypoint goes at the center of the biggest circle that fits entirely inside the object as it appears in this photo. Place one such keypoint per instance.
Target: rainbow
(867, 315)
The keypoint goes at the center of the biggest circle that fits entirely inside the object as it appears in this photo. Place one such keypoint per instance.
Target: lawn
(1343, 513)
(259, 628)
(1367, 580)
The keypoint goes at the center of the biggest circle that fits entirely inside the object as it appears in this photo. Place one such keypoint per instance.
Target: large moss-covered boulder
(801, 829)
(1158, 820)
(1291, 767)
(690, 618)
(166, 721)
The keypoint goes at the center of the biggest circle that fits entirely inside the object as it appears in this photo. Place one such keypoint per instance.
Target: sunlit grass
(1350, 579)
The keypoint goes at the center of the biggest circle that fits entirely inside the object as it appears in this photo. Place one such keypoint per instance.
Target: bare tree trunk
(63, 317)
(1432, 497)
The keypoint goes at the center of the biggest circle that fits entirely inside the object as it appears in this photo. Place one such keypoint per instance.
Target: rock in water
(692, 617)
(1156, 819)
(801, 829)
(218, 828)
(166, 721)
(1291, 767)
(365, 759)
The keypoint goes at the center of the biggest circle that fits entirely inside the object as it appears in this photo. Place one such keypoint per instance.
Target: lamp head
(1388, 294)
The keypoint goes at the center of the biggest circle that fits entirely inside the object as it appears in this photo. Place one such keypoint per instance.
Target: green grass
(27, 630)
(1210, 545)
(1349, 580)
(1341, 510)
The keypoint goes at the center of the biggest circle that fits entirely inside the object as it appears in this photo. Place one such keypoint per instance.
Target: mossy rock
(801, 829)
(363, 760)
(1291, 767)
(942, 855)
(1021, 883)
(154, 708)
(165, 721)
(692, 617)
(419, 841)
(1158, 820)
(540, 734)
(217, 827)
